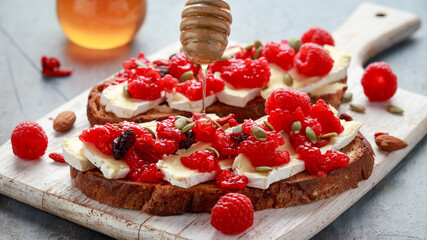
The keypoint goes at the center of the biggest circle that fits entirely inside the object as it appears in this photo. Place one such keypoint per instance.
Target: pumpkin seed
(259, 133)
(125, 91)
(216, 124)
(238, 129)
(347, 97)
(267, 124)
(311, 135)
(257, 44)
(288, 80)
(116, 125)
(140, 64)
(213, 150)
(249, 47)
(183, 117)
(329, 135)
(187, 127)
(296, 126)
(295, 43)
(180, 123)
(357, 108)
(257, 53)
(395, 110)
(263, 169)
(150, 131)
(186, 76)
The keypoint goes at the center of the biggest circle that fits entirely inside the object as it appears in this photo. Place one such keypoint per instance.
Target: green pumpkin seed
(249, 47)
(183, 117)
(213, 150)
(257, 44)
(216, 124)
(295, 43)
(329, 135)
(263, 169)
(186, 76)
(311, 135)
(187, 127)
(259, 133)
(357, 108)
(395, 110)
(180, 123)
(288, 80)
(257, 53)
(140, 64)
(150, 131)
(348, 96)
(296, 126)
(116, 125)
(267, 124)
(238, 129)
(125, 91)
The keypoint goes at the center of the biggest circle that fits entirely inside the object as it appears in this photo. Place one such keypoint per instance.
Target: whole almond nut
(390, 143)
(64, 121)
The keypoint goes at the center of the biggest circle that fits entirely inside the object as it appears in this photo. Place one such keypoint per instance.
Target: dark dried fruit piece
(122, 144)
(189, 140)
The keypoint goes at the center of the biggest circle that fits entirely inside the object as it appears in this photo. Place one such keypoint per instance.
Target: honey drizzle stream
(204, 68)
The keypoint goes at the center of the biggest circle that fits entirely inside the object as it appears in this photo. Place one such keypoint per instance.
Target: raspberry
(312, 60)
(193, 90)
(222, 121)
(162, 65)
(167, 130)
(139, 131)
(279, 53)
(318, 163)
(140, 170)
(202, 161)
(247, 126)
(300, 139)
(227, 179)
(147, 145)
(145, 85)
(204, 130)
(29, 141)
(50, 67)
(168, 83)
(379, 82)
(232, 123)
(233, 213)
(180, 64)
(245, 53)
(317, 35)
(223, 144)
(101, 136)
(57, 157)
(132, 63)
(288, 100)
(327, 119)
(246, 73)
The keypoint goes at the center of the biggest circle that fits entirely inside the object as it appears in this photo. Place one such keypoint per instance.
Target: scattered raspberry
(312, 60)
(193, 90)
(288, 100)
(327, 119)
(233, 213)
(166, 130)
(247, 126)
(222, 121)
(202, 161)
(346, 117)
(168, 83)
(180, 64)
(139, 62)
(223, 144)
(245, 53)
(57, 157)
(227, 179)
(29, 141)
(379, 134)
(279, 53)
(155, 149)
(101, 136)
(204, 130)
(318, 163)
(246, 73)
(140, 170)
(379, 82)
(317, 35)
(301, 139)
(145, 85)
(50, 68)
(232, 123)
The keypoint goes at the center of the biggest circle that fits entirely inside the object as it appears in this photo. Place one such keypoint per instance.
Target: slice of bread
(253, 110)
(166, 199)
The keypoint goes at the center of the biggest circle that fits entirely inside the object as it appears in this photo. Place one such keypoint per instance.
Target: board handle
(372, 28)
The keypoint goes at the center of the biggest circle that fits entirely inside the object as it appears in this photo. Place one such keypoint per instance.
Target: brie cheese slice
(72, 149)
(178, 101)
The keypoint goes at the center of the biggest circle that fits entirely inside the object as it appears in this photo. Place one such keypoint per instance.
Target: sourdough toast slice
(166, 199)
(97, 114)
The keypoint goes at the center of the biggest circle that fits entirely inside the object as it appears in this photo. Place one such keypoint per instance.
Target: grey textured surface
(394, 209)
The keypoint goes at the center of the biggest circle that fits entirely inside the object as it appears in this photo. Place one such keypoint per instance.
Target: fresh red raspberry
(379, 82)
(246, 73)
(194, 91)
(222, 121)
(227, 179)
(301, 139)
(166, 130)
(50, 63)
(279, 53)
(318, 163)
(50, 68)
(140, 170)
(288, 100)
(139, 131)
(56, 73)
(223, 144)
(202, 161)
(131, 63)
(205, 130)
(147, 145)
(161, 62)
(247, 126)
(57, 157)
(232, 214)
(317, 35)
(180, 64)
(145, 86)
(312, 60)
(232, 123)
(29, 141)
(245, 53)
(379, 134)
(327, 119)
(168, 83)
(101, 136)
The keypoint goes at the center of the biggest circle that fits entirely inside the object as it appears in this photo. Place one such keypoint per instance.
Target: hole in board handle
(380, 14)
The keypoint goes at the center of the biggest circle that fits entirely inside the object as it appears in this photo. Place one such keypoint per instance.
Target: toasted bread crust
(254, 109)
(165, 199)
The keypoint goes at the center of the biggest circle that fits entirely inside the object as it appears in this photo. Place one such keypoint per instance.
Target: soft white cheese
(236, 97)
(179, 175)
(115, 101)
(328, 89)
(351, 128)
(110, 167)
(178, 101)
(72, 149)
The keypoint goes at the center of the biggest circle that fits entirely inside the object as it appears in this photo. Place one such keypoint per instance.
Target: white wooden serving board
(46, 185)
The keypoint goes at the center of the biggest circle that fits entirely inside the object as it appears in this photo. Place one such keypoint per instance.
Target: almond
(64, 121)
(390, 143)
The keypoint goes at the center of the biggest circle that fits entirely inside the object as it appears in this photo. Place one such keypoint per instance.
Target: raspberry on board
(202, 161)
(29, 141)
(232, 214)
(379, 82)
(279, 53)
(312, 60)
(246, 73)
(317, 35)
(57, 157)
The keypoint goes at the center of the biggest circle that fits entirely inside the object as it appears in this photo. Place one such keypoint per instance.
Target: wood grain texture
(154, 227)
